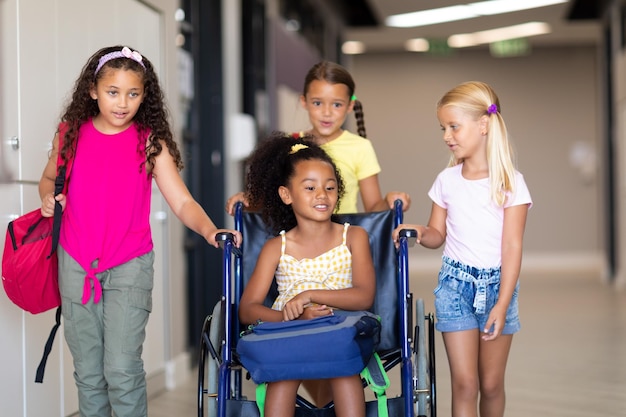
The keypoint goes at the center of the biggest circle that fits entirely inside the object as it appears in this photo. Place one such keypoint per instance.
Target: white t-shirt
(474, 221)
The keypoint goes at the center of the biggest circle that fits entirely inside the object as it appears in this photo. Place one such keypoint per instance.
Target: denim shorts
(465, 296)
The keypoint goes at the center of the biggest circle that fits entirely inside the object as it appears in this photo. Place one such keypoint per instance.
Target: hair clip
(297, 147)
(126, 52)
(134, 55)
(492, 109)
(353, 98)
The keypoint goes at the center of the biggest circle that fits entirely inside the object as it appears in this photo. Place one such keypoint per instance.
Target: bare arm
(431, 236)
(46, 183)
(359, 297)
(372, 198)
(512, 239)
(251, 307)
(180, 200)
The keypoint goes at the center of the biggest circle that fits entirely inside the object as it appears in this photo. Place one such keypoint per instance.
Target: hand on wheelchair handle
(410, 235)
(232, 201)
(395, 197)
(222, 237)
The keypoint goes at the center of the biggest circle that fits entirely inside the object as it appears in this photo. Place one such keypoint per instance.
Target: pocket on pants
(447, 299)
(69, 328)
(139, 309)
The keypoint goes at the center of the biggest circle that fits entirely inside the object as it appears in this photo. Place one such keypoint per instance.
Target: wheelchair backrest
(379, 226)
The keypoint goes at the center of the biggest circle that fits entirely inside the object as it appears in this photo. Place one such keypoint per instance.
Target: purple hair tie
(126, 52)
(492, 109)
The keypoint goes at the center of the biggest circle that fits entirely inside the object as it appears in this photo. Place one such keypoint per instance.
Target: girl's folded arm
(251, 307)
(361, 295)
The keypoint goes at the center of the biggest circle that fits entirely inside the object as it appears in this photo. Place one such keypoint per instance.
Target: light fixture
(524, 30)
(417, 45)
(465, 11)
(179, 15)
(292, 25)
(353, 47)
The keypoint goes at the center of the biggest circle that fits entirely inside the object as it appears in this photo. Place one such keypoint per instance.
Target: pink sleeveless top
(106, 221)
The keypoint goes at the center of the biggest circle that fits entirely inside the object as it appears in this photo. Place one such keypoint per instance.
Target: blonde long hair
(476, 99)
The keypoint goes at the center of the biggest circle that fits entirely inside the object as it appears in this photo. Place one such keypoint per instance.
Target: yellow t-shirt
(356, 160)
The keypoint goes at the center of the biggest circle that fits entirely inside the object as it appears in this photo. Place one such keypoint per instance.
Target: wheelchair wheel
(209, 360)
(424, 363)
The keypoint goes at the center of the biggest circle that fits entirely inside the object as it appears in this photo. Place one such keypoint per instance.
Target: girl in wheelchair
(319, 265)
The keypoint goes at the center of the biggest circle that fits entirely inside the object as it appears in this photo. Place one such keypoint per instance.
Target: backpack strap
(261, 391)
(63, 127)
(46, 352)
(60, 186)
(378, 381)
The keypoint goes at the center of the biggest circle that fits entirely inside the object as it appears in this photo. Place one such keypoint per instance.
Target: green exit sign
(510, 47)
(439, 47)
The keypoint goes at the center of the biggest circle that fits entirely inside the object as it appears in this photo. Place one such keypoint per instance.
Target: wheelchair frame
(220, 374)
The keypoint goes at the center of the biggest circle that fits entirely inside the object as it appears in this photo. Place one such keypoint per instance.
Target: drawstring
(482, 279)
(97, 288)
(480, 299)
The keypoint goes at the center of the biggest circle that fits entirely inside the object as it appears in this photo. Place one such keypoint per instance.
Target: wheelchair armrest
(410, 235)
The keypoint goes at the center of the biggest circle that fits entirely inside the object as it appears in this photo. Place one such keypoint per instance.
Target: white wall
(43, 47)
(550, 102)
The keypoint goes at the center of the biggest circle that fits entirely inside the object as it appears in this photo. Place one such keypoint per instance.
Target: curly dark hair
(152, 117)
(272, 165)
(334, 73)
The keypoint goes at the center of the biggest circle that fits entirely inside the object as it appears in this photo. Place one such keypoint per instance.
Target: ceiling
(579, 31)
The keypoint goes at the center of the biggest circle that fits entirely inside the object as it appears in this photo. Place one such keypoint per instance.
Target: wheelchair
(403, 344)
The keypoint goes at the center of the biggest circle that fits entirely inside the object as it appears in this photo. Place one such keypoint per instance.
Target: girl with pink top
(479, 209)
(117, 132)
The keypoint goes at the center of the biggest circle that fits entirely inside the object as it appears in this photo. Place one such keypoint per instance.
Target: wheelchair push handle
(223, 237)
(410, 235)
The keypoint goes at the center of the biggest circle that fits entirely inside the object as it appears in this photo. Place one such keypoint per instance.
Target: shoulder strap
(378, 381)
(68, 166)
(344, 237)
(46, 352)
(283, 242)
(261, 391)
(60, 186)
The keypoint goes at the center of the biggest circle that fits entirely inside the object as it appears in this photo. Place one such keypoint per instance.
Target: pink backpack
(29, 263)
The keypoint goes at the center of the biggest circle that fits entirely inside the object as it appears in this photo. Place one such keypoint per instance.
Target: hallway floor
(569, 360)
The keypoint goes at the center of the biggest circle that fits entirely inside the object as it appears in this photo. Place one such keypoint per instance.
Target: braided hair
(334, 73)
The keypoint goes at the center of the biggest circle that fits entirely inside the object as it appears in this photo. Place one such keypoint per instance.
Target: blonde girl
(479, 209)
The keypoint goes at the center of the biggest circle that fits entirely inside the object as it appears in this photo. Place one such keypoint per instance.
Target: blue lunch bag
(325, 347)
